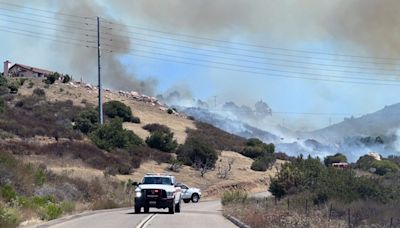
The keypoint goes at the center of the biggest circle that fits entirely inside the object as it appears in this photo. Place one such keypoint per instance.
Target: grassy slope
(241, 173)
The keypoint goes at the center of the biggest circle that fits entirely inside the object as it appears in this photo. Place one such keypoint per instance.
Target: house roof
(33, 69)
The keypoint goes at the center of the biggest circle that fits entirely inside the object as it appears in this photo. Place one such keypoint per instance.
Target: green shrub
(112, 135)
(40, 176)
(163, 141)
(8, 193)
(39, 92)
(263, 163)
(8, 218)
(117, 109)
(22, 81)
(3, 81)
(87, 121)
(234, 196)
(66, 79)
(135, 120)
(197, 151)
(14, 86)
(42, 201)
(256, 148)
(385, 166)
(51, 78)
(51, 211)
(337, 158)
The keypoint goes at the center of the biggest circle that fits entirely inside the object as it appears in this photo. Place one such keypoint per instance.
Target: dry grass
(241, 176)
(146, 112)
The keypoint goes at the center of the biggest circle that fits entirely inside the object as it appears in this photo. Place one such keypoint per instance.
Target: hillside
(381, 122)
(37, 133)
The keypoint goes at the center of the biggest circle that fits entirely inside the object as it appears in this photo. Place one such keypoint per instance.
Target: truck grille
(155, 193)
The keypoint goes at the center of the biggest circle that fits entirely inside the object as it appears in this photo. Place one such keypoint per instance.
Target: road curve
(202, 214)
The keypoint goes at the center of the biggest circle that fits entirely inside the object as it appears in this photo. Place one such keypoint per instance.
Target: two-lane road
(203, 214)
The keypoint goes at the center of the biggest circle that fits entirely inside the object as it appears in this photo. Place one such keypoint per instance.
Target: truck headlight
(138, 194)
(170, 194)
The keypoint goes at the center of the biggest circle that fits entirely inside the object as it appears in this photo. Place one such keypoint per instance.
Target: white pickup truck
(157, 191)
(190, 194)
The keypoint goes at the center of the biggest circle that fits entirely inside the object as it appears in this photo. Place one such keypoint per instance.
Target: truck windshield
(156, 180)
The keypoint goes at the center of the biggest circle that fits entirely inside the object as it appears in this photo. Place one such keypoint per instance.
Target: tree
(337, 158)
(198, 154)
(117, 109)
(87, 121)
(163, 141)
(263, 163)
(111, 136)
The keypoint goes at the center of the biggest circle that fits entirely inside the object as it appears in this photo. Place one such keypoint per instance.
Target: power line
(256, 62)
(44, 22)
(248, 44)
(47, 11)
(46, 38)
(258, 68)
(48, 28)
(42, 34)
(255, 72)
(47, 17)
(245, 55)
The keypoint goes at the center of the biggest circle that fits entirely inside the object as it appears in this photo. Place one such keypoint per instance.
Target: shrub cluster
(156, 127)
(51, 78)
(162, 139)
(112, 136)
(197, 152)
(234, 196)
(325, 183)
(114, 109)
(263, 154)
(380, 167)
(87, 121)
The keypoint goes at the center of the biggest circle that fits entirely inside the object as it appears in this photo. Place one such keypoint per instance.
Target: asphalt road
(202, 214)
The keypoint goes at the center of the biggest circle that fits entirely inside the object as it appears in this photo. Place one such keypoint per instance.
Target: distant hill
(382, 122)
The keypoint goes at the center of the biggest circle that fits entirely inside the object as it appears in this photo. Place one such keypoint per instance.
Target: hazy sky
(256, 72)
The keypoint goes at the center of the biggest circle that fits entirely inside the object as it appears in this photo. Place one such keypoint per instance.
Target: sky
(282, 41)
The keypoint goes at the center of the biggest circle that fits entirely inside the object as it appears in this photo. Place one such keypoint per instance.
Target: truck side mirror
(135, 183)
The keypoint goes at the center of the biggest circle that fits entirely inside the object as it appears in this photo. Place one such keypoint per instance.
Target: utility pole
(101, 121)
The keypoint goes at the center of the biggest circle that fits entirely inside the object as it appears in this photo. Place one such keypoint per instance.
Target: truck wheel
(146, 209)
(137, 209)
(178, 207)
(186, 200)
(171, 209)
(195, 198)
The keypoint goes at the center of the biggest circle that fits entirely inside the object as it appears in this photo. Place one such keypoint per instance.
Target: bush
(135, 120)
(256, 148)
(66, 79)
(39, 92)
(117, 109)
(235, 196)
(337, 158)
(8, 218)
(196, 151)
(51, 78)
(30, 85)
(263, 163)
(14, 86)
(163, 141)
(385, 166)
(8, 193)
(112, 135)
(156, 127)
(51, 211)
(170, 111)
(87, 121)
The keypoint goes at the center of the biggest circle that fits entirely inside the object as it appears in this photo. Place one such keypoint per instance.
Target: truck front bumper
(154, 202)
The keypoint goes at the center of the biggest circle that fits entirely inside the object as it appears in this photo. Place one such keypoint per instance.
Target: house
(19, 70)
